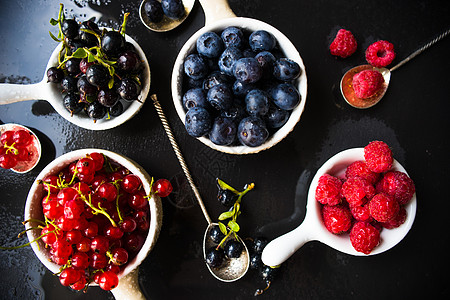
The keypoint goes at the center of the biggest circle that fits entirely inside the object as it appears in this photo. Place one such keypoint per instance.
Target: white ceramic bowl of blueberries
(239, 85)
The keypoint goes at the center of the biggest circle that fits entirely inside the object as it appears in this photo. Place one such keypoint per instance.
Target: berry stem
(99, 210)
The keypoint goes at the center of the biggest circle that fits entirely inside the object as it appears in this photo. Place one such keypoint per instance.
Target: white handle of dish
(11, 93)
(281, 248)
(216, 10)
(128, 287)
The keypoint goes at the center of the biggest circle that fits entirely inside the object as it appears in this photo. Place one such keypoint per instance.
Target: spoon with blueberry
(226, 255)
(164, 15)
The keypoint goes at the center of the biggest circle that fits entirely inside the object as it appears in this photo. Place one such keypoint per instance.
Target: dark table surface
(412, 119)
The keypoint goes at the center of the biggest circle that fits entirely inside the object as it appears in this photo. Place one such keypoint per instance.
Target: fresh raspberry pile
(371, 197)
(344, 44)
(367, 83)
(380, 54)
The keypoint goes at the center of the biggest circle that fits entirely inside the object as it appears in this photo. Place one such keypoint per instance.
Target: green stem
(99, 210)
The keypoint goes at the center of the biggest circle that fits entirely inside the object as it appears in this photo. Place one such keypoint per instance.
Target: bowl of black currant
(239, 85)
(96, 78)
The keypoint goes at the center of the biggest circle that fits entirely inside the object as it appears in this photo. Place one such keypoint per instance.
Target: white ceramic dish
(313, 229)
(218, 17)
(128, 287)
(10, 93)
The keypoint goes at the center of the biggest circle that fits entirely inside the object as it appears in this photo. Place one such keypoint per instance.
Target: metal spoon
(35, 148)
(235, 268)
(346, 81)
(43, 90)
(166, 23)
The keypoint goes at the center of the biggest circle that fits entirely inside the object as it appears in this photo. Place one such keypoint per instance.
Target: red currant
(80, 260)
(61, 248)
(69, 276)
(82, 188)
(22, 138)
(119, 256)
(50, 183)
(131, 183)
(85, 166)
(99, 244)
(137, 201)
(107, 191)
(98, 260)
(98, 159)
(7, 138)
(73, 236)
(128, 224)
(108, 280)
(73, 209)
(52, 209)
(64, 223)
(113, 233)
(113, 268)
(91, 230)
(66, 194)
(50, 237)
(86, 178)
(80, 284)
(8, 160)
(84, 245)
(162, 187)
(97, 181)
(134, 242)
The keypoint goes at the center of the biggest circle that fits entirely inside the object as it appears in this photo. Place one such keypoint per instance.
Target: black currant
(259, 243)
(268, 273)
(69, 28)
(69, 84)
(85, 88)
(215, 257)
(95, 110)
(215, 234)
(88, 38)
(116, 110)
(107, 97)
(128, 89)
(233, 249)
(72, 103)
(73, 66)
(112, 43)
(226, 197)
(128, 61)
(97, 75)
(255, 261)
(54, 75)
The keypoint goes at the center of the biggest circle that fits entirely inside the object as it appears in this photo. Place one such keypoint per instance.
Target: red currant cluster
(96, 220)
(15, 147)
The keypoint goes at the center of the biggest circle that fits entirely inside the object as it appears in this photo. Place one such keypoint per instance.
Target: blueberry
(216, 78)
(248, 53)
(153, 10)
(233, 249)
(215, 234)
(174, 9)
(257, 102)
(276, 117)
(252, 131)
(228, 59)
(197, 122)
(223, 132)
(190, 83)
(220, 97)
(285, 96)
(209, 44)
(236, 112)
(286, 69)
(247, 70)
(195, 66)
(195, 98)
(266, 60)
(214, 257)
(232, 37)
(261, 40)
(240, 89)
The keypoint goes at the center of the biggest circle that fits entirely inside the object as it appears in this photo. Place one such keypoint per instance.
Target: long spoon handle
(420, 50)
(180, 157)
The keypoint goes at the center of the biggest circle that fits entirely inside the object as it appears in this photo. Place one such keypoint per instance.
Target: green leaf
(90, 98)
(233, 226)
(226, 215)
(54, 37)
(80, 53)
(53, 22)
(91, 57)
(111, 83)
(223, 228)
(225, 186)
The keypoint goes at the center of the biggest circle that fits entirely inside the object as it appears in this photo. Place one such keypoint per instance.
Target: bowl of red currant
(20, 148)
(93, 216)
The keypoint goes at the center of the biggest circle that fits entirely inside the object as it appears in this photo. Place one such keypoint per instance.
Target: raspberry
(367, 83)
(360, 169)
(328, 190)
(378, 156)
(344, 44)
(364, 237)
(383, 208)
(357, 191)
(398, 220)
(397, 185)
(380, 54)
(361, 213)
(337, 218)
